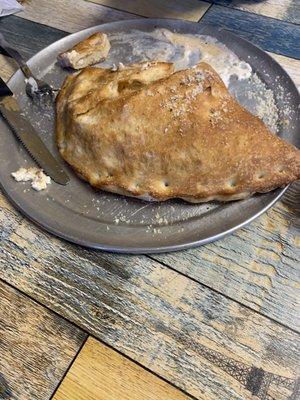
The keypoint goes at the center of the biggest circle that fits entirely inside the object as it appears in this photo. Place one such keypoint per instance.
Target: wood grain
(191, 10)
(36, 347)
(286, 10)
(257, 266)
(71, 15)
(270, 34)
(28, 37)
(100, 373)
(154, 315)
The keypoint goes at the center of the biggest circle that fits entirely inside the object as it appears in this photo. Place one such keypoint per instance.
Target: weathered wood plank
(191, 10)
(257, 266)
(36, 347)
(241, 279)
(100, 373)
(154, 315)
(28, 37)
(270, 34)
(150, 312)
(286, 10)
(71, 15)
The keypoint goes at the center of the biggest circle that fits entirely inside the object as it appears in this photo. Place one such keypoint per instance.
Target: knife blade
(11, 112)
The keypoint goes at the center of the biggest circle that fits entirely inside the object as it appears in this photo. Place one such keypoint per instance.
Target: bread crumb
(39, 180)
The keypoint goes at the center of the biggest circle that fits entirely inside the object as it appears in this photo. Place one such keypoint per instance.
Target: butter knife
(11, 112)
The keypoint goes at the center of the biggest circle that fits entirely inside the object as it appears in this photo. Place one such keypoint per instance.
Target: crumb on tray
(39, 180)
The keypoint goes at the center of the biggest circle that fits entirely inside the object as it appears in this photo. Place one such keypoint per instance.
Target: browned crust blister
(148, 132)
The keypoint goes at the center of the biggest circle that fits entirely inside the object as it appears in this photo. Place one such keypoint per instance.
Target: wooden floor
(211, 323)
(101, 373)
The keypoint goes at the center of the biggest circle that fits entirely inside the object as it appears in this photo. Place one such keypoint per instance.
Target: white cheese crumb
(39, 180)
(25, 174)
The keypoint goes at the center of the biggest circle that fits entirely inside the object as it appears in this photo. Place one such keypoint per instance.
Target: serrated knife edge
(25, 132)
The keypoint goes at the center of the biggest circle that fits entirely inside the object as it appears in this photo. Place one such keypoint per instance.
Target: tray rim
(277, 194)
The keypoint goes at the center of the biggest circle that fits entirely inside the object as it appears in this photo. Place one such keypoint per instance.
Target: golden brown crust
(89, 51)
(149, 132)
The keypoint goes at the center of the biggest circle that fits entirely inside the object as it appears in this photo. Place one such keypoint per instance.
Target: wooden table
(217, 322)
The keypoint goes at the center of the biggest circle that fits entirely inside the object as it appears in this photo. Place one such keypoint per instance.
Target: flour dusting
(187, 50)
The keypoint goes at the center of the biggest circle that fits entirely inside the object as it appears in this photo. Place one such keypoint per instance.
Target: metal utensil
(25, 132)
(40, 91)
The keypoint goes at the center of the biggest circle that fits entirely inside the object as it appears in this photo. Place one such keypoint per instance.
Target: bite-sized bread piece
(87, 52)
(148, 132)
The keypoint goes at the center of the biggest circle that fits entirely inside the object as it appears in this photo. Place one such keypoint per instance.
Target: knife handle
(4, 89)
